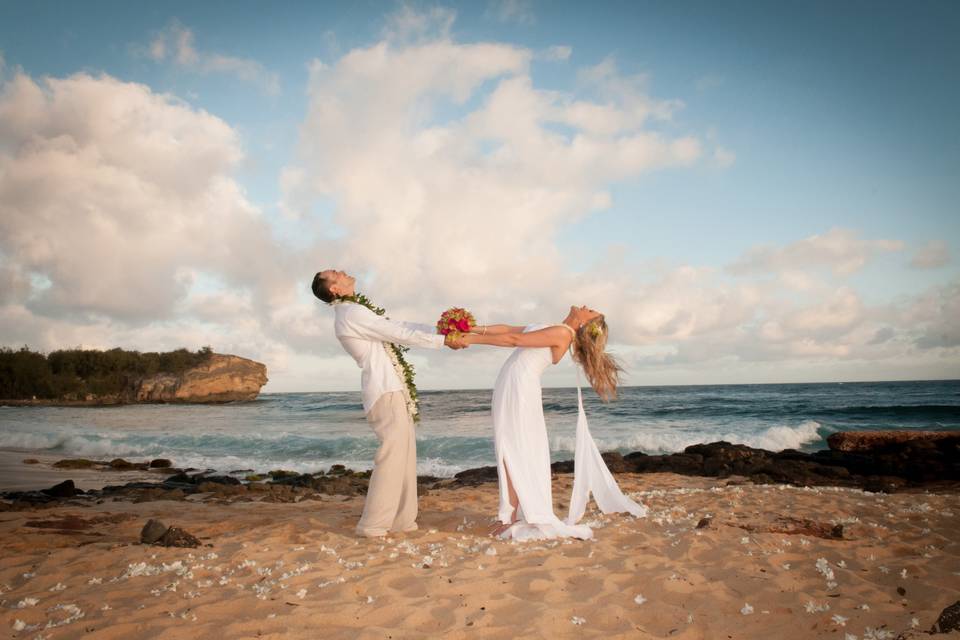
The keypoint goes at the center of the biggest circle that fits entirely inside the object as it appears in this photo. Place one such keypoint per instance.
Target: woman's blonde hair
(589, 350)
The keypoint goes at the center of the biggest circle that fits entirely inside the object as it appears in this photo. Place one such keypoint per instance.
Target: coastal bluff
(116, 378)
(222, 378)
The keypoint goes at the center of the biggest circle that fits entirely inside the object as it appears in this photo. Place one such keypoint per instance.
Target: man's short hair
(321, 289)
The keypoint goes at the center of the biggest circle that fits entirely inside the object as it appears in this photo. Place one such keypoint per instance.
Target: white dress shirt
(362, 334)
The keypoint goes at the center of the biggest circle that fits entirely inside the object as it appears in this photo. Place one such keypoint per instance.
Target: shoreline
(886, 462)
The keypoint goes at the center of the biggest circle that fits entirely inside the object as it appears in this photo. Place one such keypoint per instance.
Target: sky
(751, 192)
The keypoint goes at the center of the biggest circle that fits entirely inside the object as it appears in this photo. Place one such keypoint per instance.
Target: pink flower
(463, 325)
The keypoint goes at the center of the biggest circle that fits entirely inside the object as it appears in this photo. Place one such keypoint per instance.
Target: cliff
(217, 378)
(222, 378)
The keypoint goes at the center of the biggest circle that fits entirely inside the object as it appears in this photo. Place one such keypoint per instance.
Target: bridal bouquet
(456, 320)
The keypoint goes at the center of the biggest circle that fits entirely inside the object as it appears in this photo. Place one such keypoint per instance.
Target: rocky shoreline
(892, 464)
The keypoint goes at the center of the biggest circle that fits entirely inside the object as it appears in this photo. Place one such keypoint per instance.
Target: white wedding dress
(523, 451)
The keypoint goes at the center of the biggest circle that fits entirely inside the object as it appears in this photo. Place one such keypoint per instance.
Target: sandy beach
(296, 570)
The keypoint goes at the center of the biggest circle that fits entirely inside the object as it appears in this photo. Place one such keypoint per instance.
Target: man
(391, 503)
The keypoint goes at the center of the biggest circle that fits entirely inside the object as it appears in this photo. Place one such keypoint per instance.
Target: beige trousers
(391, 503)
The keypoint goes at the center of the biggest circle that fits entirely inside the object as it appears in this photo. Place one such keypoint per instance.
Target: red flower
(463, 325)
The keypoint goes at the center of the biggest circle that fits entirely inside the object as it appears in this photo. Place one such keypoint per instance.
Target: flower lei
(395, 352)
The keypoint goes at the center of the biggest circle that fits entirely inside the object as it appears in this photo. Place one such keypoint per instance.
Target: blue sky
(826, 121)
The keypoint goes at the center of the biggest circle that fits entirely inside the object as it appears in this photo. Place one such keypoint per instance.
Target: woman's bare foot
(499, 527)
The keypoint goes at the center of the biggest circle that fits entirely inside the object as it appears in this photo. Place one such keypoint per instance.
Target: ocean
(309, 432)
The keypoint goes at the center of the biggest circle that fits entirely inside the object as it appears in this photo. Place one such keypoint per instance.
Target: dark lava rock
(30, 461)
(949, 619)
(704, 523)
(278, 474)
(79, 463)
(180, 480)
(160, 463)
(65, 489)
(615, 462)
(122, 465)
(341, 485)
(152, 531)
(561, 466)
(28, 497)
(185, 481)
(217, 479)
(872, 440)
(476, 476)
(177, 537)
(337, 469)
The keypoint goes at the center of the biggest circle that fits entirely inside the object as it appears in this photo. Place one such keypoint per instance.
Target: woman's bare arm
(548, 337)
(495, 329)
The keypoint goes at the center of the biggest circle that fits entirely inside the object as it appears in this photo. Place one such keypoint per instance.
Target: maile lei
(395, 351)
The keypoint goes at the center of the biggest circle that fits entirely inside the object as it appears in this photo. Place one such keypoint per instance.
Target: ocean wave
(774, 438)
(930, 411)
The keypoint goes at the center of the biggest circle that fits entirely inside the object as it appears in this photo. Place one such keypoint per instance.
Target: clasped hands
(455, 341)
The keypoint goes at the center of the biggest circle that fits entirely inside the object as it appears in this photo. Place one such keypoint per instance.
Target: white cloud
(932, 255)
(465, 205)
(176, 43)
(841, 250)
(120, 220)
(516, 11)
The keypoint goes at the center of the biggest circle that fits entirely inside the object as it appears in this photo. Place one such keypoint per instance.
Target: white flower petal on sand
(369, 599)
(746, 609)
(824, 568)
(849, 636)
(840, 620)
(58, 587)
(903, 573)
(19, 625)
(302, 594)
(491, 551)
(27, 602)
(842, 564)
(577, 620)
(639, 599)
(812, 607)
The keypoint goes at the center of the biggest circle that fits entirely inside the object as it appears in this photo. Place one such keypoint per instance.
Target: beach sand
(296, 570)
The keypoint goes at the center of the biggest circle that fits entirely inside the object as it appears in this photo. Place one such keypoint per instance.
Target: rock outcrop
(872, 440)
(222, 378)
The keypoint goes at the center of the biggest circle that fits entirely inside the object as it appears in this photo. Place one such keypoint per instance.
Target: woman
(520, 434)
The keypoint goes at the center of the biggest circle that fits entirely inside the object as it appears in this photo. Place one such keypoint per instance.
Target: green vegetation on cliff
(72, 374)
